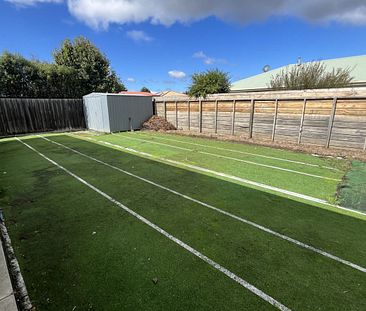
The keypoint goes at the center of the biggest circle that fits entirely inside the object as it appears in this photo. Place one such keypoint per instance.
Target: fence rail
(329, 121)
(21, 115)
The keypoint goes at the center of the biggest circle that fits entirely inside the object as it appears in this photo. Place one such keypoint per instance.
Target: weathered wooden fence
(337, 119)
(20, 115)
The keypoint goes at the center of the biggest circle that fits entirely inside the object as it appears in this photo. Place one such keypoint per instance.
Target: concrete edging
(11, 299)
(7, 298)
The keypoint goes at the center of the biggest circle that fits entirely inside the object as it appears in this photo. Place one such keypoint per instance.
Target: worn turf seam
(190, 249)
(246, 221)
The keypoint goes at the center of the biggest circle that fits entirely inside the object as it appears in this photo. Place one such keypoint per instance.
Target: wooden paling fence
(326, 121)
(20, 115)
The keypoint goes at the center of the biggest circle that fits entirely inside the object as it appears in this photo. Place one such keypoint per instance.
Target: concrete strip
(7, 300)
(8, 304)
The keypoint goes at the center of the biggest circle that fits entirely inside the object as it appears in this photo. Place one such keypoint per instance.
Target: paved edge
(13, 272)
(7, 298)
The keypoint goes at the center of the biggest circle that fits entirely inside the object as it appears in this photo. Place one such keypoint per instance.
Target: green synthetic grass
(316, 187)
(250, 148)
(51, 218)
(352, 192)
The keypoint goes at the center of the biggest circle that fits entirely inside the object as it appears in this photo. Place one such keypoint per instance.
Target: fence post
(364, 146)
(275, 120)
(251, 120)
(200, 117)
(189, 116)
(233, 118)
(165, 109)
(331, 121)
(176, 115)
(302, 121)
(216, 113)
(154, 107)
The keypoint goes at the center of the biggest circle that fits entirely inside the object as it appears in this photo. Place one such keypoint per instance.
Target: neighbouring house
(170, 94)
(261, 82)
(137, 93)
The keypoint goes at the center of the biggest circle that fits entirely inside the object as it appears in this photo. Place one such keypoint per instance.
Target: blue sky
(160, 43)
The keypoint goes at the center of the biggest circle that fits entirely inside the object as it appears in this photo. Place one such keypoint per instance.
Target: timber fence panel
(334, 121)
(208, 116)
(32, 115)
(288, 124)
(242, 117)
(263, 119)
(349, 124)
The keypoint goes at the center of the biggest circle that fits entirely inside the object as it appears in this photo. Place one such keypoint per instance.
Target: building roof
(96, 94)
(136, 93)
(259, 82)
(170, 93)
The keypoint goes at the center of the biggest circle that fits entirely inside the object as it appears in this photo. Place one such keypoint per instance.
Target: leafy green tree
(79, 68)
(57, 81)
(114, 84)
(313, 75)
(19, 77)
(92, 67)
(209, 82)
(145, 89)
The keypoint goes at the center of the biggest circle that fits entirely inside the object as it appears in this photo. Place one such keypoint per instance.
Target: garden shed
(106, 112)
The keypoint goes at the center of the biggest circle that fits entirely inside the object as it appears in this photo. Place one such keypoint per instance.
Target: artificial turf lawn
(320, 188)
(61, 250)
(352, 192)
(242, 147)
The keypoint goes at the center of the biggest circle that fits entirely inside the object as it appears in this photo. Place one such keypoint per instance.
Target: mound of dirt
(156, 123)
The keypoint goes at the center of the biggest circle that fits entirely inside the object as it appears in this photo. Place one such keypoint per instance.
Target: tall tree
(92, 67)
(19, 77)
(209, 82)
(57, 81)
(145, 89)
(313, 75)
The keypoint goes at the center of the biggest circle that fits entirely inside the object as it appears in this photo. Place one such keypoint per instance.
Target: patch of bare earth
(156, 123)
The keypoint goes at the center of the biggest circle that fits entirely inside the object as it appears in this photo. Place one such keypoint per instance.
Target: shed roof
(94, 94)
(136, 93)
(357, 64)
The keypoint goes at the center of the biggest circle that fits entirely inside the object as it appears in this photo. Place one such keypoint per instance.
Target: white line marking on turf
(248, 222)
(247, 153)
(190, 249)
(234, 159)
(239, 179)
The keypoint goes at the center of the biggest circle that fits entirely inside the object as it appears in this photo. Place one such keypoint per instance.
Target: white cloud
(176, 74)
(139, 36)
(131, 80)
(25, 3)
(102, 13)
(207, 59)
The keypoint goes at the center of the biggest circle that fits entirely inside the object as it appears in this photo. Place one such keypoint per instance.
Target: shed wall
(121, 108)
(96, 113)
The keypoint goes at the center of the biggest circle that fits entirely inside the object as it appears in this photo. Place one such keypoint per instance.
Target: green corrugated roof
(261, 81)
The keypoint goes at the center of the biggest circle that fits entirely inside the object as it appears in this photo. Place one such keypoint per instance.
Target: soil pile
(156, 123)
